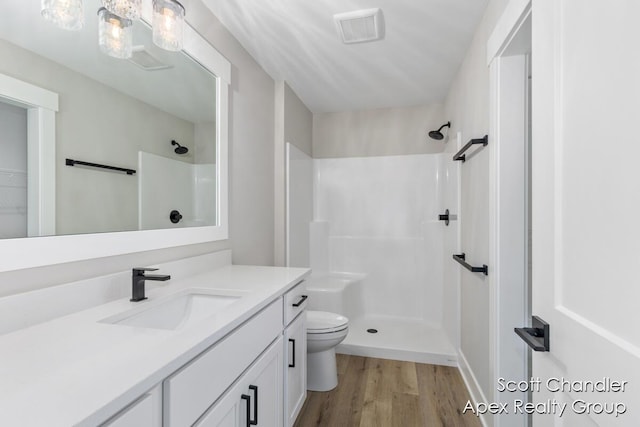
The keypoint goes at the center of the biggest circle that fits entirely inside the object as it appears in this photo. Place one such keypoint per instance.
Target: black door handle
(302, 299)
(247, 399)
(254, 422)
(293, 364)
(536, 337)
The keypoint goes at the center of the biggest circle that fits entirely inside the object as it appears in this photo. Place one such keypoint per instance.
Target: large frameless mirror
(96, 141)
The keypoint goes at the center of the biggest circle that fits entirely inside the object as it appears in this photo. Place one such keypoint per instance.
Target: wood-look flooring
(389, 393)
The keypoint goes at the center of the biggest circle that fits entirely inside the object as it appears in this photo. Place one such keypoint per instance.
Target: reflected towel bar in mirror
(71, 162)
(460, 154)
(461, 259)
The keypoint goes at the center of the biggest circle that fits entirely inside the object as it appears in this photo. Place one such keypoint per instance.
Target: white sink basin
(177, 311)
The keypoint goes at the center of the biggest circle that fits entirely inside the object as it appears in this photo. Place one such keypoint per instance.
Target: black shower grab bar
(461, 259)
(71, 162)
(460, 154)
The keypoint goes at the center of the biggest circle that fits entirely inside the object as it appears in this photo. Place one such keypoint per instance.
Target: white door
(586, 210)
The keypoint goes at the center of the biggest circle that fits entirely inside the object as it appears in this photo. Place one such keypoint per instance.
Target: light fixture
(115, 35)
(116, 21)
(130, 9)
(168, 24)
(66, 14)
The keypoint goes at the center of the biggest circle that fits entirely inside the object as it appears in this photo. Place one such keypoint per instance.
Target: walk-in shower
(379, 252)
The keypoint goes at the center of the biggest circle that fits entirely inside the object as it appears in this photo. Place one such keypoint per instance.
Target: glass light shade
(115, 35)
(129, 9)
(168, 24)
(66, 14)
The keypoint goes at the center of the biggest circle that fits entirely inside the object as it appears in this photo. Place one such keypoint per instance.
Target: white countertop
(74, 370)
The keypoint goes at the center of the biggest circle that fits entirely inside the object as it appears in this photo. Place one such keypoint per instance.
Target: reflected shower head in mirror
(437, 134)
(180, 149)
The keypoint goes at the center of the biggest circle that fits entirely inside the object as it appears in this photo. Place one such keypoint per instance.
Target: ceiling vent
(143, 59)
(360, 26)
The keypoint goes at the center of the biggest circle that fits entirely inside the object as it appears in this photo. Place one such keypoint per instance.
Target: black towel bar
(71, 162)
(460, 154)
(461, 259)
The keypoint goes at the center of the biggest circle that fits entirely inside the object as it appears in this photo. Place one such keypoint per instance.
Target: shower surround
(376, 218)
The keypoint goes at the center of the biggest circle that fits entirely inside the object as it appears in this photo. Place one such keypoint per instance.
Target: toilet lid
(323, 322)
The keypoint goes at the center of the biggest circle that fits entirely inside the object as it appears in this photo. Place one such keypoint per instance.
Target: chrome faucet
(137, 282)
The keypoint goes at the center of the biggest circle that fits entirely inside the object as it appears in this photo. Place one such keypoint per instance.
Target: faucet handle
(142, 270)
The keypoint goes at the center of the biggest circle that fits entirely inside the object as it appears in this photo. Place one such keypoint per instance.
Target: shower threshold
(398, 339)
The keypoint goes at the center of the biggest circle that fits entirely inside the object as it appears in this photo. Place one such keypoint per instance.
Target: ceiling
(296, 41)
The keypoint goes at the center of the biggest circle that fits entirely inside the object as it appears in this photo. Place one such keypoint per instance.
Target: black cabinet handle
(302, 299)
(247, 399)
(254, 422)
(293, 364)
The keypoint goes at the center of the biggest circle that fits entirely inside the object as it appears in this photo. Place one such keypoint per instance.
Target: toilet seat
(323, 322)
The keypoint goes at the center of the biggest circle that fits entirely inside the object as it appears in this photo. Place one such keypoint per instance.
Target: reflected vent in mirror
(143, 59)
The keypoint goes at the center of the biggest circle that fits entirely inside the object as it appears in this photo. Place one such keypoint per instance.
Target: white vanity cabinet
(193, 389)
(255, 399)
(295, 344)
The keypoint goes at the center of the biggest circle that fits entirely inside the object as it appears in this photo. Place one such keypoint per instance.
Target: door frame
(41, 106)
(508, 204)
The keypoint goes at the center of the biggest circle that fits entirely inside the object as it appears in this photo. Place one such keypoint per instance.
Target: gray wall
(293, 124)
(97, 124)
(467, 106)
(251, 175)
(251, 143)
(382, 132)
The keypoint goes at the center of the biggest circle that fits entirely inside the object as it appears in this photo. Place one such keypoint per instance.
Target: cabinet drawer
(190, 391)
(295, 301)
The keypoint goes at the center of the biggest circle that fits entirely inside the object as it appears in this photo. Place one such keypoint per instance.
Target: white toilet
(324, 332)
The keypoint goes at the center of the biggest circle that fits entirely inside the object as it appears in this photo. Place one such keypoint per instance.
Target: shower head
(437, 134)
(180, 149)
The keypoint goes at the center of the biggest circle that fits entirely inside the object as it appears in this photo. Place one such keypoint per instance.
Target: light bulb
(168, 24)
(66, 14)
(115, 36)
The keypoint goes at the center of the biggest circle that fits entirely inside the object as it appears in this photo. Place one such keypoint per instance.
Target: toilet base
(322, 373)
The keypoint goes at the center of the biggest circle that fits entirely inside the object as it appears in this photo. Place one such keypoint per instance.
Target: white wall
(382, 132)
(382, 214)
(13, 172)
(299, 210)
(293, 125)
(251, 171)
(467, 106)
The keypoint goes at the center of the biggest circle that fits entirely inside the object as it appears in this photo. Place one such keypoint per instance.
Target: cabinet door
(295, 368)
(256, 398)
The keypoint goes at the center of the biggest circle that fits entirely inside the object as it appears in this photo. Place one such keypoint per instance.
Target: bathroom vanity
(166, 361)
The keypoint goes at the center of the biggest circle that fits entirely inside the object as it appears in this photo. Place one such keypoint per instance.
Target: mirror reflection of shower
(437, 134)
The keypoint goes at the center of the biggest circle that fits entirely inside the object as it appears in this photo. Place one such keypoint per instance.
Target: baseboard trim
(475, 392)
